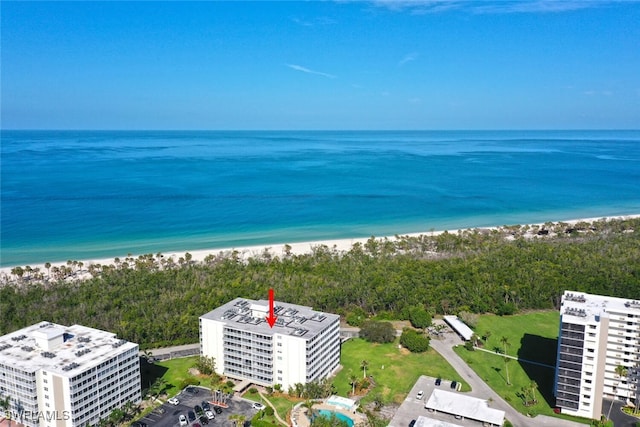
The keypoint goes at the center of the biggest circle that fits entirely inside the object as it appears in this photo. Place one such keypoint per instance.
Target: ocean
(100, 194)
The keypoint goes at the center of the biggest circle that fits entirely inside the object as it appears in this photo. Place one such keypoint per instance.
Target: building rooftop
(422, 421)
(460, 327)
(60, 349)
(466, 406)
(295, 320)
(589, 308)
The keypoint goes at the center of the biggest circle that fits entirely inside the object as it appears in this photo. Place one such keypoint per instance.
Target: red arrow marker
(271, 319)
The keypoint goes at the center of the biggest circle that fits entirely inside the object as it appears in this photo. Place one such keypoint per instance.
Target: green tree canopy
(374, 331)
(419, 317)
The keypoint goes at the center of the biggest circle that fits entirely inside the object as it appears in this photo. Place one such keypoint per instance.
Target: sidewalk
(167, 353)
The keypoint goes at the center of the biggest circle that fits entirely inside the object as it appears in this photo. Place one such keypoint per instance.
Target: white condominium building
(302, 346)
(599, 338)
(59, 376)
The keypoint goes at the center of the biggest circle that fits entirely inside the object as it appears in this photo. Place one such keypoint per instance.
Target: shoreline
(279, 249)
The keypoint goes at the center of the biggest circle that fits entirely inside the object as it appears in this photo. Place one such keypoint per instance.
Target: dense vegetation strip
(157, 303)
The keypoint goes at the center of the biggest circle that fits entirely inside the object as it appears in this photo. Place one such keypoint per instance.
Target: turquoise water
(329, 414)
(88, 195)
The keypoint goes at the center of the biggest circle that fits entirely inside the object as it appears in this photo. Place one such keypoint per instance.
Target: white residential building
(58, 376)
(302, 346)
(597, 335)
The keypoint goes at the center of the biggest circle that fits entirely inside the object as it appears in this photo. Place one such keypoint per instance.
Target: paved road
(173, 352)
(480, 389)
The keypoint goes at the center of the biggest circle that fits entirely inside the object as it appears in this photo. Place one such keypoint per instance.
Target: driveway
(619, 418)
(481, 390)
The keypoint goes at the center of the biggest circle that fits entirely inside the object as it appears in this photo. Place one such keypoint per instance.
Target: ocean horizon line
(598, 129)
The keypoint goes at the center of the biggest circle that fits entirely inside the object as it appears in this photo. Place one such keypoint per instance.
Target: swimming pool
(328, 414)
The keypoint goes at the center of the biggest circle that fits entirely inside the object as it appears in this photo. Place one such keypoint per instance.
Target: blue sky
(321, 65)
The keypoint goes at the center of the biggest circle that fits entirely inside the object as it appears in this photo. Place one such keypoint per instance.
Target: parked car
(183, 420)
(453, 384)
(195, 425)
(438, 381)
(412, 423)
(258, 406)
(205, 405)
(174, 401)
(203, 420)
(420, 395)
(209, 414)
(191, 415)
(198, 410)
(218, 409)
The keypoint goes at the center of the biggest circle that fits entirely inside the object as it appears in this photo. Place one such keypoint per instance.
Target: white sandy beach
(279, 249)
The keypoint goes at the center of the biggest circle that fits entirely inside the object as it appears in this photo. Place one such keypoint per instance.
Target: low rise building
(59, 376)
(302, 346)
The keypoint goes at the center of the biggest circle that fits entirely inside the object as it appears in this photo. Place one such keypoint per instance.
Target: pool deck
(300, 419)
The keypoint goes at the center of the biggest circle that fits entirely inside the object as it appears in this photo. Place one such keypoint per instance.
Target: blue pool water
(329, 414)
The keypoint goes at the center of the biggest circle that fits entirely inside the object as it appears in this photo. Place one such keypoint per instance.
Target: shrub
(414, 341)
(506, 309)
(380, 332)
(419, 317)
(268, 411)
(189, 381)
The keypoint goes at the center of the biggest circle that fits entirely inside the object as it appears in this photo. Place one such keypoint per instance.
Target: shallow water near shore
(89, 195)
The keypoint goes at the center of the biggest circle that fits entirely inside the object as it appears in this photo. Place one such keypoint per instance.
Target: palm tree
(505, 342)
(309, 405)
(620, 371)
(364, 365)
(5, 403)
(353, 379)
(533, 386)
(237, 419)
(128, 409)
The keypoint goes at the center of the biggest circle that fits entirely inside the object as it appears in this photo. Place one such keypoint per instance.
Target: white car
(174, 401)
(209, 414)
(258, 406)
(419, 395)
(183, 420)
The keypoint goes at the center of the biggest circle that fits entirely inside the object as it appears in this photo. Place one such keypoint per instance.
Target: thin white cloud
(315, 22)
(408, 58)
(490, 6)
(597, 92)
(309, 71)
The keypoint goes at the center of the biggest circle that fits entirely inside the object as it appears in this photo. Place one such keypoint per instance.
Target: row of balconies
(565, 349)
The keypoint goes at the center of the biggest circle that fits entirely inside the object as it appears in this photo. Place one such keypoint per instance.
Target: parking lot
(412, 407)
(168, 414)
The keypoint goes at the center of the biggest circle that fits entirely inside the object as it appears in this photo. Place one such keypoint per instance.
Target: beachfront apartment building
(599, 338)
(302, 346)
(59, 376)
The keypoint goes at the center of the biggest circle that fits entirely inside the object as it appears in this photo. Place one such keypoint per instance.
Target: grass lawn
(395, 370)
(282, 403)
(531, 336)
(177, 372)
